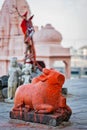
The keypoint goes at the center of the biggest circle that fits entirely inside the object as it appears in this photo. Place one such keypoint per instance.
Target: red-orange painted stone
(43, 95)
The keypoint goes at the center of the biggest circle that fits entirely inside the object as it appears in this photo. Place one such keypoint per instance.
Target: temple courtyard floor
(76, 99)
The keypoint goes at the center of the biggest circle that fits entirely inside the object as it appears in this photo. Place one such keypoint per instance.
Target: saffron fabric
(24, 26)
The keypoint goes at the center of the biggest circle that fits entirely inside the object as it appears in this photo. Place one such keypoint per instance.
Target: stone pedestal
(54, 119)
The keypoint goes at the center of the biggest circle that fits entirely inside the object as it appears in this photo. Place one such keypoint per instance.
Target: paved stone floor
(76, 99)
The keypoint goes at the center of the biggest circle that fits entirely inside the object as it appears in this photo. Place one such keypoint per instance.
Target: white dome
(47, 34)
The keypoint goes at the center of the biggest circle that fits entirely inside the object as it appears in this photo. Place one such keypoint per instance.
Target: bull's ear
(46, 71)
(61, 79)
(42, 78)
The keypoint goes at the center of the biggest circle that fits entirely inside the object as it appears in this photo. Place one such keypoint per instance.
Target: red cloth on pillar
(24, 26)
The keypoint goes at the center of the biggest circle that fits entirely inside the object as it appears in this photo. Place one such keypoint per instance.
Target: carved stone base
(54, 119)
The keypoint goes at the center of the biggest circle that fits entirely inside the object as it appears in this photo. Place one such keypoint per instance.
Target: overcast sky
(67, 16)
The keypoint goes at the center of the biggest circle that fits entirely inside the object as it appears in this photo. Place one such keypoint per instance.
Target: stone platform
(54, 119)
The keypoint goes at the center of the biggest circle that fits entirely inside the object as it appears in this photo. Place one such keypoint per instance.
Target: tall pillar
(67, 68)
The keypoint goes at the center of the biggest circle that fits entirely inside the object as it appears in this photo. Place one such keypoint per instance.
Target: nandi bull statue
(43, 95)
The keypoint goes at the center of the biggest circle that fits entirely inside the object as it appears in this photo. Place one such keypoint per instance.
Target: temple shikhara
(47, 40)
(11, 36)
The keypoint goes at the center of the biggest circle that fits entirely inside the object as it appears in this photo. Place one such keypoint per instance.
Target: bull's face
(52, 76)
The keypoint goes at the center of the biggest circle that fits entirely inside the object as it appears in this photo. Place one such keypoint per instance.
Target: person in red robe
(27, 27)
(28, 31)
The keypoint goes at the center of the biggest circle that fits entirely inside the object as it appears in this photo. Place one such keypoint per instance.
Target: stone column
(67, 68)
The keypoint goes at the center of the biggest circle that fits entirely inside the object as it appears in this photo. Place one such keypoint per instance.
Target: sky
(69, 17)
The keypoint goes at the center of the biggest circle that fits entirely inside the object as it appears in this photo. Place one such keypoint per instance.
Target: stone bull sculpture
(43, 95)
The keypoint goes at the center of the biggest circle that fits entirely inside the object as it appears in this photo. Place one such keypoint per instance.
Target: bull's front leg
(27, 108)
(18, 107)
(44, 108)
